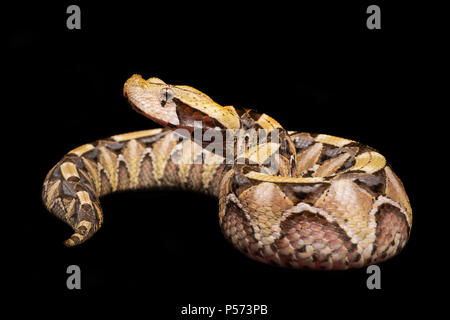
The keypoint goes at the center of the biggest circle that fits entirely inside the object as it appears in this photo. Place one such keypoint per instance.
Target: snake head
(153, 98)
(177, 106)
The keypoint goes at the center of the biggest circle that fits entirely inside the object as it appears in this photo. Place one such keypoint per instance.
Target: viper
(288, 198)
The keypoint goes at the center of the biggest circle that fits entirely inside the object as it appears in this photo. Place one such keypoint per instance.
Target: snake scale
(329, 203)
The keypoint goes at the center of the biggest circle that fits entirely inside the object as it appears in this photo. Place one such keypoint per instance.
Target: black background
(314, 68)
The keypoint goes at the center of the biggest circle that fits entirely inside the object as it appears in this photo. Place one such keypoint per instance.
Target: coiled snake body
(329, 203)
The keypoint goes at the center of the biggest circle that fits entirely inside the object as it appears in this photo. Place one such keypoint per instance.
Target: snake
(294, 199)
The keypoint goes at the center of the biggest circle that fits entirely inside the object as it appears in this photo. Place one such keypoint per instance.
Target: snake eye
(166, 95)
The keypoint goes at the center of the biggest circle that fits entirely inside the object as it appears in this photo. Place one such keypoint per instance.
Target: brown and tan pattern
(333, 203)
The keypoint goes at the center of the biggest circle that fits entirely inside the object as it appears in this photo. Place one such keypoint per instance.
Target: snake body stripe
(334, 204)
